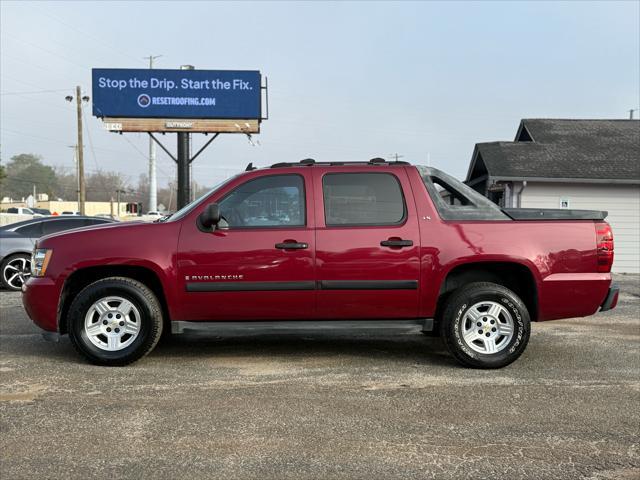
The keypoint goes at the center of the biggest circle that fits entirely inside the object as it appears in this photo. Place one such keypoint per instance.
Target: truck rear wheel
(485, 325)
(115, 321)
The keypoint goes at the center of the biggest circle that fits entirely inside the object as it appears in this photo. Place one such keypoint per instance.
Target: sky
(347, 80)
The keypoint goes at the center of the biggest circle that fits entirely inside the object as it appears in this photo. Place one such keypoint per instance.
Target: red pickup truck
(326, 245)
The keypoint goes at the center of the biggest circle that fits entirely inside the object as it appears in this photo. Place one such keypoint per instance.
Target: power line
(39, 87)
(19, 60)
(53, 140)
(93, 152)
(50, 52)
(134, 147)
(95, 39)
(22, 82)
(55, 187)
(395, 156)
(35, 92)
(145, 157)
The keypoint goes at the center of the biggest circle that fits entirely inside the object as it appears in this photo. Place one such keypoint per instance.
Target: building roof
(576, 150)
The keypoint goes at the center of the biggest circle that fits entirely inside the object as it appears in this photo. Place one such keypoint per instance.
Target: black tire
(464, 299)
(4, 271)
(150, 324)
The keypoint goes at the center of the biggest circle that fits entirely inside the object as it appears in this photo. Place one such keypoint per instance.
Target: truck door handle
(397, 243)
(292, 245)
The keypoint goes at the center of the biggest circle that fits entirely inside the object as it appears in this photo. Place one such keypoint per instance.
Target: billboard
(176, 94)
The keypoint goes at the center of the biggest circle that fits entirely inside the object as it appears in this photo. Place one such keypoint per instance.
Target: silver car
(18, 239)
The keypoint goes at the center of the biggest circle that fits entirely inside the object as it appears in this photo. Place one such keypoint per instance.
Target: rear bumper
(572, 295)
(611, 300)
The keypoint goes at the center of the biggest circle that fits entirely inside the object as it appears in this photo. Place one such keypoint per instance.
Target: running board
(426, 324)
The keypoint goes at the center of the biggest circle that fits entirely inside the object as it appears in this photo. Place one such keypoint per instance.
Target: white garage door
(621, 201)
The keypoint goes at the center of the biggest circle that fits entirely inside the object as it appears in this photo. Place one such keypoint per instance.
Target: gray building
(575, 164)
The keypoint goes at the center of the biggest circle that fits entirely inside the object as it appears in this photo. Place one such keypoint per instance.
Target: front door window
(273, 201)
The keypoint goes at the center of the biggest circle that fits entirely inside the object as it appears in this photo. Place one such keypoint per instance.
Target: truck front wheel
(485, 325)
(115, 321)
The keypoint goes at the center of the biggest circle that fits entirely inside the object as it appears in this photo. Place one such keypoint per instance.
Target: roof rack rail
(308, 162)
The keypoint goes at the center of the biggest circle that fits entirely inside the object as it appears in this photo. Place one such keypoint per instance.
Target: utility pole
(80, 152)
(118, 192)
(395, 156)
(153, 182)
(631, 110)
(170, 196)
(75, 165)
(79, 147)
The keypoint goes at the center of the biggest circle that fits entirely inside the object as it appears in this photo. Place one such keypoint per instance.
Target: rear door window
(362, 199)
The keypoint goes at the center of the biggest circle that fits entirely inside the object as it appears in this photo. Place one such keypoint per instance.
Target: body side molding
(302, 285)
(426, 324)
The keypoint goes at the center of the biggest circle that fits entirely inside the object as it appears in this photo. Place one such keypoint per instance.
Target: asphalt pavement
(324, 405)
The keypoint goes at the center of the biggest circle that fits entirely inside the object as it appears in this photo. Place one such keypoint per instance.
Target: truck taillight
(604, 240)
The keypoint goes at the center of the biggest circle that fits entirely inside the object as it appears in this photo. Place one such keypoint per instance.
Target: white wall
(9, 218)
(621, 201)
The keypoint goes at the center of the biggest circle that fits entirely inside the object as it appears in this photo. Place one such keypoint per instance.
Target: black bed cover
(554, 214)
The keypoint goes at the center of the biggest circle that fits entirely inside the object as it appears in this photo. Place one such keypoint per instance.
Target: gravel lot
(318, 405)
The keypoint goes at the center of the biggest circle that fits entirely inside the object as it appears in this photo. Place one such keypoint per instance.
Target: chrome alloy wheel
(112, 323)
(487, 327)
(16, 272)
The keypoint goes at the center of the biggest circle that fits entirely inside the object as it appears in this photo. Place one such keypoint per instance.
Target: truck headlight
(40, 261)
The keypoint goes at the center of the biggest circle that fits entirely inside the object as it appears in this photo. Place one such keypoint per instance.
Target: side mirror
(210, 217)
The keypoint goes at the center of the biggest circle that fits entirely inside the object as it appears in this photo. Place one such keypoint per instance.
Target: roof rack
(309, 162)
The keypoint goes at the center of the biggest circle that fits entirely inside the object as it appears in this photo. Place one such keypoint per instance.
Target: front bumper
(611, 300)
(40, 297)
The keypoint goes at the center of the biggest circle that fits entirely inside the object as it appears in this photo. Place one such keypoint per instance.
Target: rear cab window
(456, 201)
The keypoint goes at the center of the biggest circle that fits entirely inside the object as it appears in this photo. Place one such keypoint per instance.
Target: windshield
(190, 206)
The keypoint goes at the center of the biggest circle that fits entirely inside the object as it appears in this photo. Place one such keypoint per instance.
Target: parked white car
(20, 211)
